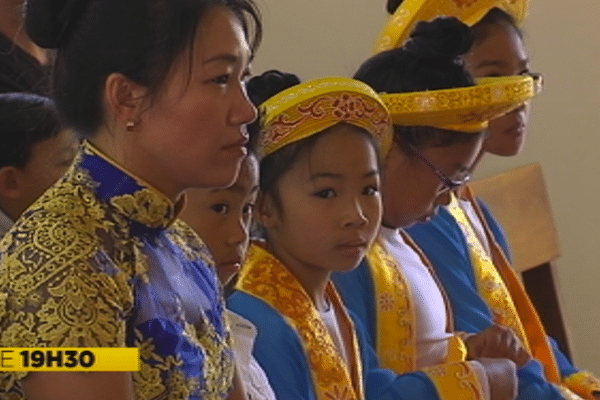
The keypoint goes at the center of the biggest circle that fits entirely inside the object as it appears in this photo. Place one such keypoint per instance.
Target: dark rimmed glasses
(449, 184)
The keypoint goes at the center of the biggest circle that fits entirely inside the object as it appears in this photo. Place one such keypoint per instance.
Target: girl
(222, 218)
(319, 206)
(447, 239)
(393, 291)
(156, 88)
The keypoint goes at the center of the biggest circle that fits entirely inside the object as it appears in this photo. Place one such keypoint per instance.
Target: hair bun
(50, 22)
(262, 87)
(392, 5)
(442, 39)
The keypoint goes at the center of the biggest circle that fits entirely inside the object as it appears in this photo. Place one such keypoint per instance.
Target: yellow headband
(309, 108)
(466, 109)
(402, 22)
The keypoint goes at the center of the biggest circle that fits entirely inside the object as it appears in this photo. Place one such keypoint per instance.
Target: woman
(156, 88)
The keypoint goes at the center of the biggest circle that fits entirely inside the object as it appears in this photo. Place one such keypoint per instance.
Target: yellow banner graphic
(69, 359)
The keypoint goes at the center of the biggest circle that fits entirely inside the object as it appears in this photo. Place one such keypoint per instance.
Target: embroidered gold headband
(402, 22)
(306, 109)
(466, 109)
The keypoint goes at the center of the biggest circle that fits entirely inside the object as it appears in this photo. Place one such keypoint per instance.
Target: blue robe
(280, 353)
(444, 243)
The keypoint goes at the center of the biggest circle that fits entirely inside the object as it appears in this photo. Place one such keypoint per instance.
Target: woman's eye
(325, 193)
(371, 190)
(222, 79)
(220, 208)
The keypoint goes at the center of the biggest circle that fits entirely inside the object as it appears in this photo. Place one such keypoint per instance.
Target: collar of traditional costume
(402, 22)
(309, 108)
(144, 205)
(466, 109)
(265, 277)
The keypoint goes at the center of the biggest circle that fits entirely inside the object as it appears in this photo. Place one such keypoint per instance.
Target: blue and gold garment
(101, 261)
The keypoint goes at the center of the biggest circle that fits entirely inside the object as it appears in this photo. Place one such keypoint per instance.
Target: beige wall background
(315, 38)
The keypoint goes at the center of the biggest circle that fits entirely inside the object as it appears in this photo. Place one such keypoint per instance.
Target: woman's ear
(10, 183)
(124, 98)
(265, 213)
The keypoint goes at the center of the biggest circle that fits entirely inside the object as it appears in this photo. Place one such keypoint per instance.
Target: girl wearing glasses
(437, 138)
(464, 230)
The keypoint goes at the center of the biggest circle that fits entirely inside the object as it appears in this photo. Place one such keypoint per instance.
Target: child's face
(412, 190)
(329, 205)
(502, 53)
(222, 217)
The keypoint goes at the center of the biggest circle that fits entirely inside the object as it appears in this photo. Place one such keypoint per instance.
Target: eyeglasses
(538, 80)
(449, 184)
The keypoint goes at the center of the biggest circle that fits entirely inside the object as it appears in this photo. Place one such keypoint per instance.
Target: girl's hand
(497, 342)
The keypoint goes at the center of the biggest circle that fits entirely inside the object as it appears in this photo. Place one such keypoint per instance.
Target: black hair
(262, 87)
(141, 39)
(25, 119)
(496, 16)
(430, 59)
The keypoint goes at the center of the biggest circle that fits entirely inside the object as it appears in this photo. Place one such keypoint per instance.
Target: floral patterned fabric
(100, 260)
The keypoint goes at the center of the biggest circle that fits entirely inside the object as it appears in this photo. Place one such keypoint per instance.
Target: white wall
(316, 38)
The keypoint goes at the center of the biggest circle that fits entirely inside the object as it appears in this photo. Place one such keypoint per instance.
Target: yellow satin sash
(396, 345)
(499, 276)
(265, 277)
(582, 383)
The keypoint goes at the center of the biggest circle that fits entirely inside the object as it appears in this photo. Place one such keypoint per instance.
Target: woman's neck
(119, 148)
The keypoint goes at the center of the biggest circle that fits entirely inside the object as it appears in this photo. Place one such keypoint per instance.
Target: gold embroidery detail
(491, 285)
(145, 206)
(66, 272)
(264, 277)
(395, 312)
(455, 381)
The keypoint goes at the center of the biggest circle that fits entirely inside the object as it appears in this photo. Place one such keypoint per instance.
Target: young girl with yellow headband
(453, 238)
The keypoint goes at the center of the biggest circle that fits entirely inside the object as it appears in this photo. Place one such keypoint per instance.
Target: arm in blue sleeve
(277, 349)
(533, 384)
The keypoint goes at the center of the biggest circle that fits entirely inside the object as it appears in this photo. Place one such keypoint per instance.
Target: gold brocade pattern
(490, 284)
(537, 339)
(455, 381)
(309, 108)
(71, 268)
(396, 344)
(466, 109)
(143, 207)
(264, 277)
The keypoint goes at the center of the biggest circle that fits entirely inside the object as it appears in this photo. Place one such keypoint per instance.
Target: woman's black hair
(496, 16)
(430, 59)
(140, 39)
(25, 119)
